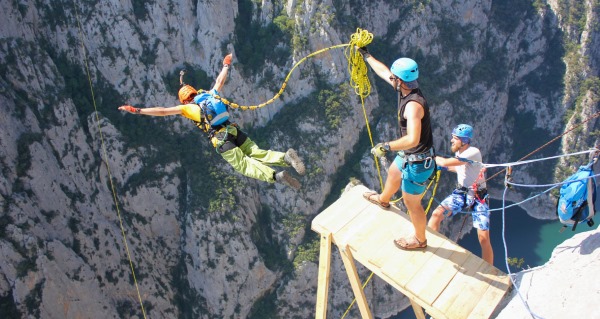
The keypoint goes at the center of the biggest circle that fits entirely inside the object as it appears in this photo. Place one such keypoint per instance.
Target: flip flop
(369, 196)
(410, 243)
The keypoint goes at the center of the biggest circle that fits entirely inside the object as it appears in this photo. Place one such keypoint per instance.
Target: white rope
(556, 184)
(510, 275)
(537, 160)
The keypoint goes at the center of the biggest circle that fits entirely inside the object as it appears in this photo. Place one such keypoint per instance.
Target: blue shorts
(456, 203)
(414, 175)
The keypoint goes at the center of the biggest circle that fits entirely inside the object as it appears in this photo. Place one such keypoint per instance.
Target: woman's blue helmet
(464, 132)
(406, 69)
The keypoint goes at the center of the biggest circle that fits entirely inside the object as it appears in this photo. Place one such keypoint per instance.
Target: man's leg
(414, 181)
(481, 221)
(252, 150)
(450, 206)
(392, 183)
(487, 253)
(248, 166)
(417, 214)
(436, 218)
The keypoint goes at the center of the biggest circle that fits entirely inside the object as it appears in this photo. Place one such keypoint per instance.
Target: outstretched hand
(130, 109)
(227, 59)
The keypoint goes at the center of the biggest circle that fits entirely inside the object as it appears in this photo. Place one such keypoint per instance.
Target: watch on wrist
(386, 146)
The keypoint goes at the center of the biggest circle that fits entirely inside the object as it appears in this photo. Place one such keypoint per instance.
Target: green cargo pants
(245, 156)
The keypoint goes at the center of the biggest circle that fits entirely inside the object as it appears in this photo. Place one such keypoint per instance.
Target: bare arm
(380, 69)
(220, 82)
(450, 163)
(154, 111)
(413, 113)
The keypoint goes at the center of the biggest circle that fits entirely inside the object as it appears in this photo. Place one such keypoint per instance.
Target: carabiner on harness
(427, 163)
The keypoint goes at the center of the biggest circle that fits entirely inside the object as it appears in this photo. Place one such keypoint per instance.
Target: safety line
(510, 275)
(110, 179)
(552, 140)
(538, 159)
(555, 184)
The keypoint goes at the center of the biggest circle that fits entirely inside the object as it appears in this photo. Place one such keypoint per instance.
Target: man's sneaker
(292, 159)
(285, 178)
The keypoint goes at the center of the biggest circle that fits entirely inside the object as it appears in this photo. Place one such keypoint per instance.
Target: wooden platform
(446, 280)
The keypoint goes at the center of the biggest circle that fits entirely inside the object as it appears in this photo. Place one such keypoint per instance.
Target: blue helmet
(463, 131)
(406, 69)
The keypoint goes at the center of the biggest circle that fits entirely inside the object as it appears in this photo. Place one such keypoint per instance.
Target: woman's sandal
(375, 200)
(410, 243)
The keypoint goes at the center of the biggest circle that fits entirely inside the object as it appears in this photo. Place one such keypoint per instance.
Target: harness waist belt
(464, 189)
(417, 157)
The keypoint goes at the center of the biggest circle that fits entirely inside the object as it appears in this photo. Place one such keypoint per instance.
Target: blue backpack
(577, 198)
(215, 111)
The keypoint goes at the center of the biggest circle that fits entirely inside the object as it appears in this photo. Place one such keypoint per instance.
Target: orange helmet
(186, 93)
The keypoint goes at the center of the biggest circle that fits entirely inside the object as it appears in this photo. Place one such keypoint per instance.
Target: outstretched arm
(153, 111)
(380, 69)
(220, 82)
(449, 163)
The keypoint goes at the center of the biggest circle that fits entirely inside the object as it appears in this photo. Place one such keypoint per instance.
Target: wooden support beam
(359, 294)
(323, 281)
(419, 314)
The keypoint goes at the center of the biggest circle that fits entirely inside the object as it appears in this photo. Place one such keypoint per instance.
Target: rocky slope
(89, 194)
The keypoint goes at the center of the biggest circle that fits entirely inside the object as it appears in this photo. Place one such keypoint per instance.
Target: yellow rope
(354, 300)
(362, 87)
(283, 86)
(356, 64)
(110, 179)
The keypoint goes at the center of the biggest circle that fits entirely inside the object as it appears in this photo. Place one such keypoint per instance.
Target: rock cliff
(102, 209)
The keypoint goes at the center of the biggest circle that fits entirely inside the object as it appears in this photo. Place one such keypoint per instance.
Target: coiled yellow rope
(356, 64)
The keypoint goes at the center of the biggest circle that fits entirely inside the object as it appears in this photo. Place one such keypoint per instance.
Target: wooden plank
(341, 211)
(323, 279)
(359, 294)
(404, 228)
(383, 239)
(401, 264)
(359, 227)
(435, 276)
(457, 285)
(373, 235)
(475, 289)
(492, 297)
(403, 268)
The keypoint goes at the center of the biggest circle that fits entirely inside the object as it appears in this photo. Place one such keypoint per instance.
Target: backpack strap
(577, 214)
